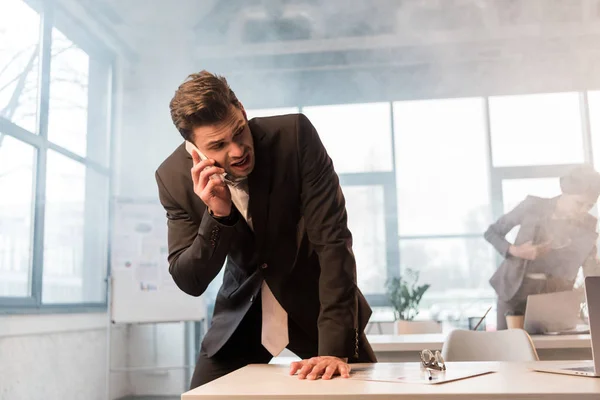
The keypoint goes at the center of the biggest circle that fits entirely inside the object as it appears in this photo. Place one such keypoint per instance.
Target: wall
(159, 345)
(58, 357)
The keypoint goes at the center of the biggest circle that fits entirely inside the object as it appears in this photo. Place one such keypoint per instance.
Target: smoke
(317, 52)
(290, 52)
(284, 53)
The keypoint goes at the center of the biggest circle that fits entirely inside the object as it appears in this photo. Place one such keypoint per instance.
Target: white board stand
(140, 287)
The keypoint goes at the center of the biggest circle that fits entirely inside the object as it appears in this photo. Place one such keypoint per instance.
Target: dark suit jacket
(508, 278)
(301, 244)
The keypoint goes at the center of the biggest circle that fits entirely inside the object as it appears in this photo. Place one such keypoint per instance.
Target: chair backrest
(505, 345)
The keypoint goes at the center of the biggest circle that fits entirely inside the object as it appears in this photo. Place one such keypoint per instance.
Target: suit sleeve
(324, 211)
(196, 251)
(496, 233)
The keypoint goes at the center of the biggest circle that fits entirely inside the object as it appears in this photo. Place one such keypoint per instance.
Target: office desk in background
(513, 381)
(406, 348)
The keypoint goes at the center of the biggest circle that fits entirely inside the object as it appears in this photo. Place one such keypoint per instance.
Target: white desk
(406, 348)
(512, 381)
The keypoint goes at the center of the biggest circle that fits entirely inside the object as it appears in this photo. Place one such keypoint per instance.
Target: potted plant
(405, 294)
(514, 319)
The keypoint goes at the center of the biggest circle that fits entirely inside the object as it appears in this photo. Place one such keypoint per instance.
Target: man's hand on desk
(324, 367)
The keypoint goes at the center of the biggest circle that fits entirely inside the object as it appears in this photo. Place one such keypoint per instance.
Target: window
(75, 232)
(69, 81)
(515, 191)
(458, 270)
(17, 166)
(358, 137)
(53, 162)
(444, 202)
(537, 129)
(536, 139)
(441, 158)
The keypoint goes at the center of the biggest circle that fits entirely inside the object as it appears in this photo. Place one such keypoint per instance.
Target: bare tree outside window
(19, 52)
(19, 56)
(67, 127)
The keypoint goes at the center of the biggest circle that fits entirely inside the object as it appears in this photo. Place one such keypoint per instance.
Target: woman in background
(554, 235)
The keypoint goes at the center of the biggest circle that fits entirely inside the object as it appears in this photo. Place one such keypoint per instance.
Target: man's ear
(243, 111)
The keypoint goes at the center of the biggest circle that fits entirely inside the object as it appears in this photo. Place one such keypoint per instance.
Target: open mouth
(243, 163)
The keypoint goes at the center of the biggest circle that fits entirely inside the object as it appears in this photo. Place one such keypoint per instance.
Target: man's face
(229, 143)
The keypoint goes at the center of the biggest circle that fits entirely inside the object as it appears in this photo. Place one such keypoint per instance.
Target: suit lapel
(259, 187)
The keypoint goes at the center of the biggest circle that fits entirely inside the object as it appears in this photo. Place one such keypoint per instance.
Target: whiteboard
(141, 287)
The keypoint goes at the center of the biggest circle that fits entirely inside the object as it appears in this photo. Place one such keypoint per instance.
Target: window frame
(49, 19)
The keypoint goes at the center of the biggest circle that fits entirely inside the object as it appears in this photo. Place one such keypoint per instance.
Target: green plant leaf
(405, 294)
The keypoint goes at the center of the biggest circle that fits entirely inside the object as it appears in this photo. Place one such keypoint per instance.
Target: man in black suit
(261, 197)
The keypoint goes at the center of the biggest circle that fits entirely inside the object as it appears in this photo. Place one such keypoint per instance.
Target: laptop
(585, 368)
(554, 313)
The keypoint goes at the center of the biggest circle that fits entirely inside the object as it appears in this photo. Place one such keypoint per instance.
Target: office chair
(506, 345)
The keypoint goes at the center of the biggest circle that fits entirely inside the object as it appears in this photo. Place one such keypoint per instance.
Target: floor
(150, 398)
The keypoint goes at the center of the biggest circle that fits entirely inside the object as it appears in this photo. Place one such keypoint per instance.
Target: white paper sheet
(414, 373)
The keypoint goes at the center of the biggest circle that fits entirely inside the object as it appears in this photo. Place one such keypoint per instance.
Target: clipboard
(415, 374)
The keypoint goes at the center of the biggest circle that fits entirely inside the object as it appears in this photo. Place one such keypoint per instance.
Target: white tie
(274, 334)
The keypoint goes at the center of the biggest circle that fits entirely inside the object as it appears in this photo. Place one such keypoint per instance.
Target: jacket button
(264, 266)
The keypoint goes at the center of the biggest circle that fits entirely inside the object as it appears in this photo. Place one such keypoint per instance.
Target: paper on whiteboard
(140, 245)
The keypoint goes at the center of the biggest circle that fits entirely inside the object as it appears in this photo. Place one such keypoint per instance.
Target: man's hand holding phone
(210, 186)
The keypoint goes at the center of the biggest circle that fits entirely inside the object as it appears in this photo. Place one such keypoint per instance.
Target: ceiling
(309, 34)
(259, 21)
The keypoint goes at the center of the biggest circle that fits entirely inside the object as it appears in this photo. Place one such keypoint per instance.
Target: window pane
(268, 112)
(69, 79)
(366, 221)
(75, 241)
(540, 129)
(441, 167)
(19, 50)
(458, 271)
(17, 161)
(515, 190)
(358, 137)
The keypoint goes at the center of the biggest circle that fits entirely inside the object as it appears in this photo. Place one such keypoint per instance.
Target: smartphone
(190, 147)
